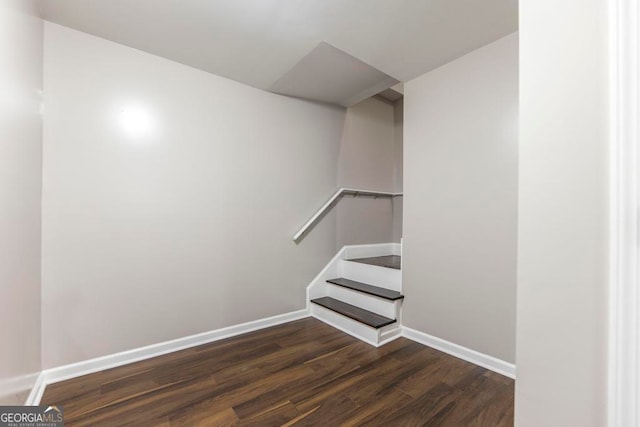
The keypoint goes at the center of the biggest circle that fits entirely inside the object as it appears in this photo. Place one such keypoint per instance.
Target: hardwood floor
(302, 373)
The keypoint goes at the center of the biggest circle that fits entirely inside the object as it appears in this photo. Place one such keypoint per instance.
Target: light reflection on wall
(137, 121)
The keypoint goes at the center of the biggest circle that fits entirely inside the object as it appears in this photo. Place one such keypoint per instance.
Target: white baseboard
(390, 335)
(489, 362)
(62, 373)
(36, 391)
(396, 249)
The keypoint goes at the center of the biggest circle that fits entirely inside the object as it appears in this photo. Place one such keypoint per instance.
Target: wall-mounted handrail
(338, 194)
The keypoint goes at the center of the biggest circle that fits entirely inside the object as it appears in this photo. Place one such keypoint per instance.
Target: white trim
(464, 353)
(36, 391)
(317, 286)
(624, 303)
(50, 376)
(389, 335)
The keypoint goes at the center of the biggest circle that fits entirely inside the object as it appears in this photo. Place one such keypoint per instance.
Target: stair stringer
(336, 268)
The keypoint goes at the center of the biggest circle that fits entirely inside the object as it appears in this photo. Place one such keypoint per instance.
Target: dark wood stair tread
(367, 289)
(356, 313)
(388, 261)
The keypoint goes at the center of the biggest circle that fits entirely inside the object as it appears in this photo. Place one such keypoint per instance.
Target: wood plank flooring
(302, 373)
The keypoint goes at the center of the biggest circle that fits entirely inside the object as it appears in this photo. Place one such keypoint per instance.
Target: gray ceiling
(329, 75)
(330, 50)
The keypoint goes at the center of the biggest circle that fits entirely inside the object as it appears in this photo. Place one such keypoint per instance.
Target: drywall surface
(366, 152)
(396, 212)
(398, 141)
(562, 236)
(460, 203)
(366, 162)
(20, 191)
(364, 220)
(171, 197)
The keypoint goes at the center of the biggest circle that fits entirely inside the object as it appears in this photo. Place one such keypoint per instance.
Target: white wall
(186, 226)
(562, 250)
(460, 203)
(366, 162)
(20, 190)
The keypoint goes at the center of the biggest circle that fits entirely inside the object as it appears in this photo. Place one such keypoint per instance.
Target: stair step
(356, 313)
(388, 261)
(367, 289)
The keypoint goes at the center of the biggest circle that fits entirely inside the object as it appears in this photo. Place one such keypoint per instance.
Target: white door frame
(624, 298)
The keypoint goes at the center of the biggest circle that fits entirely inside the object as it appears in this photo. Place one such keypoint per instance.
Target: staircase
(360, 292)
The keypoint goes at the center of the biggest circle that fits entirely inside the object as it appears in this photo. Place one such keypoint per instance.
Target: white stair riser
(368, 251)
(377, 305)
(346, 324)
(388, 278)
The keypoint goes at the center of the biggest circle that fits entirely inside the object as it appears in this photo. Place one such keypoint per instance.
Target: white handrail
(341, 192)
